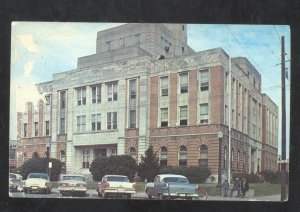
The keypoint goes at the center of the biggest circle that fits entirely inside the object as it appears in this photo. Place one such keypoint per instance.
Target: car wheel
(26, 191)
(128, 196)
(16, 188)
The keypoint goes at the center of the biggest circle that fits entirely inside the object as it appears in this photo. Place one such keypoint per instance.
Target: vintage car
(71, 184)
(115, 186)
(37, 182)
(15, 184)
(15, 176)
(171, 186)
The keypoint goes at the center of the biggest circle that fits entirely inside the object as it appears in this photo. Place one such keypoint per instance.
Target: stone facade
(146, 86)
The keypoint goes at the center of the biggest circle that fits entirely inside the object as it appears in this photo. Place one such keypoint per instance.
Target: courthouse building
(145, 86)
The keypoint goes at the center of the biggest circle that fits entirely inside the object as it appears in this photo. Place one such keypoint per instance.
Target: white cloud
(28, 68)
(28, 43)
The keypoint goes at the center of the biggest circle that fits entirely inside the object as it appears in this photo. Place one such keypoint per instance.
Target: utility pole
(229, 121)
(283, 125)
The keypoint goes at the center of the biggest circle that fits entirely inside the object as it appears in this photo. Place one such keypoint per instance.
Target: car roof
(114, 176)
(38, 173)
(75, 175)
(171, 175)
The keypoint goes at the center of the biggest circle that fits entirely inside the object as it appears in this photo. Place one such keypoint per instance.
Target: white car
(37, 182)
(15, 184)
(115, 186)
(72, 184)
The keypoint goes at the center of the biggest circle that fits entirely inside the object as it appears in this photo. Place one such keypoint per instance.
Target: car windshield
(36, 175)
(78, 178)
(117, 179)
(175, 180)
(12, 176)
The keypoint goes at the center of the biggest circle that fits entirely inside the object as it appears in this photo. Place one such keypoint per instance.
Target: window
(203, 156)
(225, 157)
(62, 125)
(132, 89)
(182, 49)
(184, 83)
(96, 122)
(85, 158)
(204, 109)
(182, 27)
(81, 123)
(122, 42)
(231, 158)
(132, 118)
(183, 116)
(163, 157)
(112, 120)
(63, 99)
(47, 123)
(132, 152)
(62, 157)
(81, 96)
(204, 80)
(96, 94)
(137, 39)
(112, 91)
(108, 46)
(25, 129)
(48, 99)
(164, 117)
(36, 128)
(244, 160)
(238, 160)
(164, 86)
(12, 153)
(182, 157)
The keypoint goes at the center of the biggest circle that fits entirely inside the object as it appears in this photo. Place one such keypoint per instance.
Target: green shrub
(252, 178)
(272, 177)
(115, 164)
(195, 174)
(40, 165)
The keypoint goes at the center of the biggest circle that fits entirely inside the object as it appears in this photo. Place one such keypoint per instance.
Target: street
(92, 194)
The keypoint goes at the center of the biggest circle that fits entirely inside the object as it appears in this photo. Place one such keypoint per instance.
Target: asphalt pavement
(92, 194)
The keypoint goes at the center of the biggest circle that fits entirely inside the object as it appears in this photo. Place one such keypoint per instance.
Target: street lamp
(220, 137)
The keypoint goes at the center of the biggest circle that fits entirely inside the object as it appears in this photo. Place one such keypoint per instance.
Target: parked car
(171, 186)
(15, 184)
(37, 182)
(70, 184)
(15, 176)
(115, 186)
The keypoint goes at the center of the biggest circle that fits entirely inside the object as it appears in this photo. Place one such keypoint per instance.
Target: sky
(40, 49)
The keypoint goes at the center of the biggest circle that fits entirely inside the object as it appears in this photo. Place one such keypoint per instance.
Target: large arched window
(62, 157)
(225, 157)
(132, 152)
(203, 156)
(231, 158)
(182, 156)
(163, 156)
(244, 161)
(238, 160)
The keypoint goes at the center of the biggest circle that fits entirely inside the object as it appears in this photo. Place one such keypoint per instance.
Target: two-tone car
(15, 184)
(115, 186)
(37, 182)
(171, 186)
(70, 185)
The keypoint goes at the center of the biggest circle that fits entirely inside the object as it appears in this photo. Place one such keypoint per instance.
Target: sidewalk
(273, 198)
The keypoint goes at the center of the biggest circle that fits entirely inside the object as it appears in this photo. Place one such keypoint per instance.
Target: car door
(158, 185)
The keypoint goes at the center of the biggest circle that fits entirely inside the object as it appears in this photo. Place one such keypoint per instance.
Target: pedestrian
(225, 187)
(236, 187)
(244, 186)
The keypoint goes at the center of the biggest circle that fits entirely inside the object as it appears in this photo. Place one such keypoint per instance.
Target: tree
(115, 164)
(40, 165)
(149, 166)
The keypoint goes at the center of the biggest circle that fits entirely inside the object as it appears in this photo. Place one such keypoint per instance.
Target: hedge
(40, 165)
(115, 164)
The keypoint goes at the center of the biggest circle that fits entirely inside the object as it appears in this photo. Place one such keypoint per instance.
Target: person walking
(236, 187)
(244, 187)
(225, 187)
